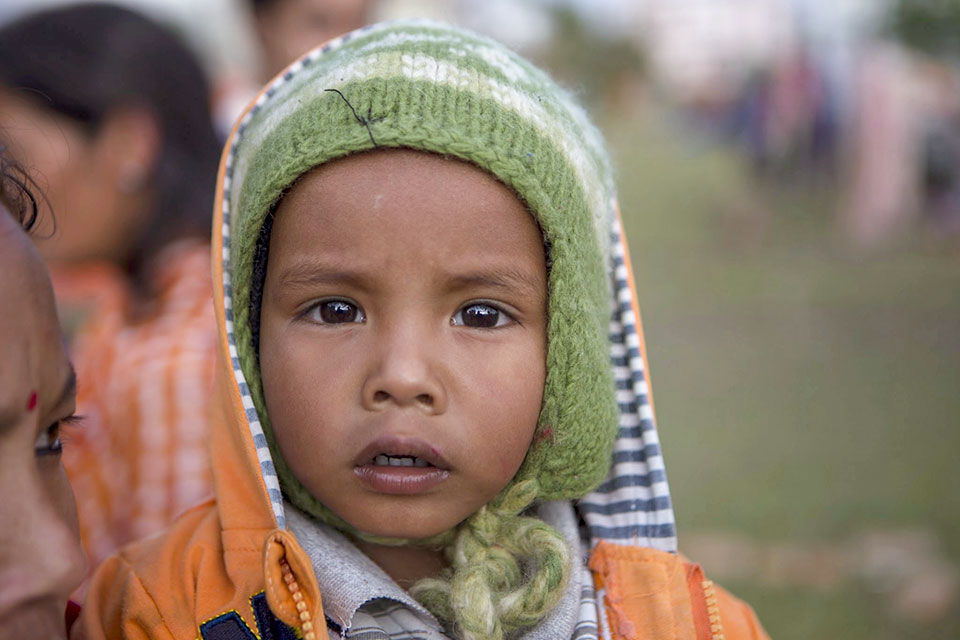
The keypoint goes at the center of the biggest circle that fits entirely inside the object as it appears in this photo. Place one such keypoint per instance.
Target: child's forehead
(397, 209)
(387, 182)
(384, 179)
(403, 163)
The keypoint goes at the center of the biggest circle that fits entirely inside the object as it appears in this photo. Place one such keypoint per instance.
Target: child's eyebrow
(304, 275)
(513, 280)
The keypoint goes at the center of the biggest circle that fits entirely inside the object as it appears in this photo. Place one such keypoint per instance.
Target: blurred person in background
(41, 561)
(110, 114)
(288, 28)
(283, 30)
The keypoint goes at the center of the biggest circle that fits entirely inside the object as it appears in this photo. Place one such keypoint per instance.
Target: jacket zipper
(706, 609)
(306, 624)
(713, 611)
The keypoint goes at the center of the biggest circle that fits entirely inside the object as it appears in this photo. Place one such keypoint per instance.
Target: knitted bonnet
(434, 88)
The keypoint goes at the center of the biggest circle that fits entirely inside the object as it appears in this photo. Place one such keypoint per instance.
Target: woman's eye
(481, 316)
(336, 312)
(48, 442)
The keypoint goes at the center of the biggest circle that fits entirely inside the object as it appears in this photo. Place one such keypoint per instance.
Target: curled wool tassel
(508, 570)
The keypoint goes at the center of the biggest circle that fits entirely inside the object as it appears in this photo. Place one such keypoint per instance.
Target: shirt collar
(349, 580)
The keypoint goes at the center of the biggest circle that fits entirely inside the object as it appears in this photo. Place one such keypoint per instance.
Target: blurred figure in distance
(288, 28)
(110, 113)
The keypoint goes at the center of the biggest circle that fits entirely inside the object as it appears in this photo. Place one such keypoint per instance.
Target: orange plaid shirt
(145, 380)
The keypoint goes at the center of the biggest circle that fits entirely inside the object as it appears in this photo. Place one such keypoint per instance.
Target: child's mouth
(401, 466)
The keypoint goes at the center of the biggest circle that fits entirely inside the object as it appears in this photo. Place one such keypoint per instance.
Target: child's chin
(401, 531)
(402, 535)
(402, 526)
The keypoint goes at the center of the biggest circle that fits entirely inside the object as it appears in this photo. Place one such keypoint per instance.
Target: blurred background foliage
(806, 395)
(928, 25)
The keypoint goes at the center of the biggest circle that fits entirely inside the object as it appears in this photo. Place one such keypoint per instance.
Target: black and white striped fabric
(633, 504)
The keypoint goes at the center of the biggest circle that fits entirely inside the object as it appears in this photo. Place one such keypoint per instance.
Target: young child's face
(403, 338)
(40, 557)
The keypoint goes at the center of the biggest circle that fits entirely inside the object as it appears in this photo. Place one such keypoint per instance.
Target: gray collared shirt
(362, 602)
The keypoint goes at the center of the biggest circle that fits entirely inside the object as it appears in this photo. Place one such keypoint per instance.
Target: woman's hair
(18, 191)
(85, 60)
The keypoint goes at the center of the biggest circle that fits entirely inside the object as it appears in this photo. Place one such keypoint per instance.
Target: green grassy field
(806, 394)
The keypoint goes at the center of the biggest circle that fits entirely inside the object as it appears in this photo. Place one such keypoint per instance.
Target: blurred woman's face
(289, 28)
(40, 557)
(88, 183)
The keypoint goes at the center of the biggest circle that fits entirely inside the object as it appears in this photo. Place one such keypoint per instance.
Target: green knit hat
(431, 87)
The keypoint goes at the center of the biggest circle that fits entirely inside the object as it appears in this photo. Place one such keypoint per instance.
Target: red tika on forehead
(32, 402)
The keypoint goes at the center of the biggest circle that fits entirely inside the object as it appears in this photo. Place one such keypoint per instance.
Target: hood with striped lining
(555, 161)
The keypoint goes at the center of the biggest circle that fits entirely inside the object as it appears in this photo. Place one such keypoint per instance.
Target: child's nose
(405, 374)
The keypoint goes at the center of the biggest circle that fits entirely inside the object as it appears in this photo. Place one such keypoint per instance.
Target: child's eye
(336, 312)
(48, 442)
(481, 315)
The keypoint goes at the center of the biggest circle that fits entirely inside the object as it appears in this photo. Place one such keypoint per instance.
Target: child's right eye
(335, 312)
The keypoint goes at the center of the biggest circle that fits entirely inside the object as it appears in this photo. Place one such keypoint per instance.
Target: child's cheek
(511, 464)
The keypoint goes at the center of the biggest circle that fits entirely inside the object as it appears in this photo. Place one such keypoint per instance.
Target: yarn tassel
(508, 570)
